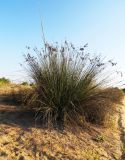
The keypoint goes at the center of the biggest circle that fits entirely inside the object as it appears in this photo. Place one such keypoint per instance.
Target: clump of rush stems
(65, 79)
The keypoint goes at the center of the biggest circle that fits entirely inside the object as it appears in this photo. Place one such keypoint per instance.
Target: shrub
(67, 81)
(4, 80)
(25, 83)
(123, 89)
(32, 84)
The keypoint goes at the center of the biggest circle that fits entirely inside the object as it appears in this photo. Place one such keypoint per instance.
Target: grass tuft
(69, 86)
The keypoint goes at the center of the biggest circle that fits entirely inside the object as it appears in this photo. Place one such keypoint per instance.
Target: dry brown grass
(103, 107)
(15, 93)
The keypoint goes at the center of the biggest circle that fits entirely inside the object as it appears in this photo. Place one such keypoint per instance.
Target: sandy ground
(20, 139)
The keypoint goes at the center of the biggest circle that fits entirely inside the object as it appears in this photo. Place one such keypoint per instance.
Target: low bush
(4, 81)
(69, 86)
(123, 89)
(25, 83)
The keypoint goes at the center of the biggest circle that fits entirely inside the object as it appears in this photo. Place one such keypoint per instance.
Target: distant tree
(4, 80)
(25, 83)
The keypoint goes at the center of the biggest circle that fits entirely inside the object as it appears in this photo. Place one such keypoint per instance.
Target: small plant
(66, 80)
(99, 138)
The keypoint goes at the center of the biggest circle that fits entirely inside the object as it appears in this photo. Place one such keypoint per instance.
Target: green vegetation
(99, 138)
(123, 89)
(25, 83)
(4, 80)
(70, 87)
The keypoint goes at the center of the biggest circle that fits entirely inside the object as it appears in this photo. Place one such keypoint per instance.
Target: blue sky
(100, 23)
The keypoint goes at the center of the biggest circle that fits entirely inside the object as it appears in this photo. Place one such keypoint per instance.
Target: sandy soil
(20, 139)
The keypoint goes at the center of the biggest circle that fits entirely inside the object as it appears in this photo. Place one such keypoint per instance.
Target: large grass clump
(66, 81)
